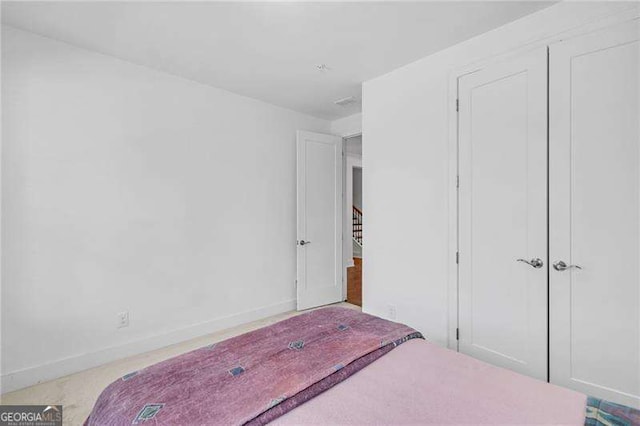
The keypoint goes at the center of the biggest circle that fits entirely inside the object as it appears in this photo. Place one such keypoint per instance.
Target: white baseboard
(41, 373)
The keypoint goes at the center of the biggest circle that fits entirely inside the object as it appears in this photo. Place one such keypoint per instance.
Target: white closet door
(595, 214)
(503, 214)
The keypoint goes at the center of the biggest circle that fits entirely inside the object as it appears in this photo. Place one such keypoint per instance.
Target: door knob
(561, 266)
(303, 242)
(536, 263)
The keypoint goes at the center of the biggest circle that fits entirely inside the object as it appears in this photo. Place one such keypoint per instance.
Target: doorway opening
(354, 209)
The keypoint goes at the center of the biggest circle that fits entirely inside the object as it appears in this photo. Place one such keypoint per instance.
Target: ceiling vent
(346, 101)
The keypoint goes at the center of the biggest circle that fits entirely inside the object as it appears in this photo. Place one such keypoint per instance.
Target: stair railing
(357, 225)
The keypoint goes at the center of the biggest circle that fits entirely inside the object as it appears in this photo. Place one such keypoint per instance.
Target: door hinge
(457, 105)
(457, 258)
(457, 334)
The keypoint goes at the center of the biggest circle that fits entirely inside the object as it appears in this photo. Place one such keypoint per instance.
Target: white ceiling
(269, 50)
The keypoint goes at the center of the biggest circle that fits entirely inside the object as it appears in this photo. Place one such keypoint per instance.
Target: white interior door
(595, 213)
(319, 243)
(503, 214)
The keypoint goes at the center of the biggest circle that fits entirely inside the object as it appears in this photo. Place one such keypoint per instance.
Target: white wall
(353, 146)
(408, 115)
(347, 126)
(124, 188)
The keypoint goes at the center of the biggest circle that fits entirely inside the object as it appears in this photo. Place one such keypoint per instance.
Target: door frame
(606, 19)
(349, 161)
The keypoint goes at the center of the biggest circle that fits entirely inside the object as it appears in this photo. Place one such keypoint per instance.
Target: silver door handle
(303, 242)
(561, 266)
(536, 263)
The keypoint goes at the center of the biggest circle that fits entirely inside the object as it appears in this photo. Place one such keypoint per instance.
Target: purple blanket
(252, 378)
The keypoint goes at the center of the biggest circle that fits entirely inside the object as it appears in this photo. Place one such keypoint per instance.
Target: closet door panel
(503, 210)
(595, 214)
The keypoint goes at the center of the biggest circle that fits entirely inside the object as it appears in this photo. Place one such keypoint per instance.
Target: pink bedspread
(253, 377)
(421, 383)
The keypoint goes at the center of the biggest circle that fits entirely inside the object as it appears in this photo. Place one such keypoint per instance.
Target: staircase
(357, 226)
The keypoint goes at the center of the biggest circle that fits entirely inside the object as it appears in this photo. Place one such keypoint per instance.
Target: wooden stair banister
(357, 225)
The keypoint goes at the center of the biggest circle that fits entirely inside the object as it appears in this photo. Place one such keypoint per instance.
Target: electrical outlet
(391, 311)
(123, 319)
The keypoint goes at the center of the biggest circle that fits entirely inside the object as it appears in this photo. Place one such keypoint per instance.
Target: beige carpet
(78, 392)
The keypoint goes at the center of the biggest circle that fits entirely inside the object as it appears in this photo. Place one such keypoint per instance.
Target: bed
(339, 366)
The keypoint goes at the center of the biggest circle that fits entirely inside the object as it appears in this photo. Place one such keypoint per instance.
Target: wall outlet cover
(123, 319)
(391, 311)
